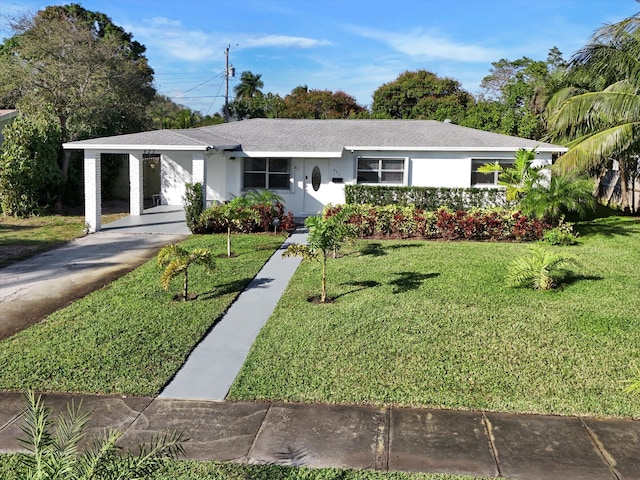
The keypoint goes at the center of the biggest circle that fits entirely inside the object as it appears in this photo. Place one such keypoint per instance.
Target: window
(486, 179)
(381, 170)
(266, 173)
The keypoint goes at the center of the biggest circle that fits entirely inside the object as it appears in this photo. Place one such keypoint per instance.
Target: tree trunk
(323, 295)
(185, 287)
(228, 240)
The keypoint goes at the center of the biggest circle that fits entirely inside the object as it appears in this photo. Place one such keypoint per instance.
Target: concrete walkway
(481, 444)
(213, 365)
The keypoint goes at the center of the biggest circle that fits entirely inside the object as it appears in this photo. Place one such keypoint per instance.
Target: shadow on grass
(376, 249)
(609, 226)
(570, 278)
(410, 281)
(359, 286)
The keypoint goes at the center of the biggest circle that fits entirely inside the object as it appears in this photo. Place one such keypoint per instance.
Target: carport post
(199, 174)
(92, 190)
(136, 193)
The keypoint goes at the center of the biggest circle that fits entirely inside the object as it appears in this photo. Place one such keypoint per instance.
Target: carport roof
(276, 136)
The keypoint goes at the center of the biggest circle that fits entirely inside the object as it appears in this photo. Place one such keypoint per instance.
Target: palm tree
(249, 86)
(562, 194)
(176, 260)
(54, 453)
(598, 115)
(519, 178)
(325, 236)
(540, 270)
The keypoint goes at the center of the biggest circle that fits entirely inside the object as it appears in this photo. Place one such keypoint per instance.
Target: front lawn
(431, 324)
(130, 337)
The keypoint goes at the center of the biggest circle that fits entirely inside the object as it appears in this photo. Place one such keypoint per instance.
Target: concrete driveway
(34, 288)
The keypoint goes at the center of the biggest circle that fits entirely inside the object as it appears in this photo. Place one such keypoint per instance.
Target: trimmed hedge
(211, 220)
(426, 198)
(398, 221)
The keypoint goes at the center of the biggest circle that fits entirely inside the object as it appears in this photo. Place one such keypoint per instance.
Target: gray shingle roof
(291, 135)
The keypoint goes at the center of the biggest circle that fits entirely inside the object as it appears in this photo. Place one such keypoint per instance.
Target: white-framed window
(479, 179)
(266, 173)
(381, 170)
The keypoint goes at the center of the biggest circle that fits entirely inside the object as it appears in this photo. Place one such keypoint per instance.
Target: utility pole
(228, 70)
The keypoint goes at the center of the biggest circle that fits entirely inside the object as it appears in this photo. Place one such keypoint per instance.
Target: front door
(315, 185)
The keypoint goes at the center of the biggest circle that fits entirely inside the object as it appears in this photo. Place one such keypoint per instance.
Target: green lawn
(432, 324)
(192, 470)
(130, 337)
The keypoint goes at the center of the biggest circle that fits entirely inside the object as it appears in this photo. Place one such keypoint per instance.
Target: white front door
(316, 181)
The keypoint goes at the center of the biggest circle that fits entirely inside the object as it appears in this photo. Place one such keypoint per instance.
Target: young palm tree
(562, 194)
(519, 178)
(176, 260)
(54, 453)
(325, 236)
(598, 115)
(539, 270)
(249, 86)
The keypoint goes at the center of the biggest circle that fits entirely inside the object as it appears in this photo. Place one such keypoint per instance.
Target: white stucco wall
(429, 169)
(175, 173)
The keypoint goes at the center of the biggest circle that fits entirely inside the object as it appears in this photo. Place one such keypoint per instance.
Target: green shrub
(562, 234)
(425, 198)
(30, 178)
(193, 199)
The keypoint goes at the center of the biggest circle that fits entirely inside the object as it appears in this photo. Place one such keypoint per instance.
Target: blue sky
(349, 45)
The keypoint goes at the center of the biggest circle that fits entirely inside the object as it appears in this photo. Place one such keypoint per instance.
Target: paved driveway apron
(32, 289)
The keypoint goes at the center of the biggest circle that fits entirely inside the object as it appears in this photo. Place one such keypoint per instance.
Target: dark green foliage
(426, 198)
(29, 173)
(421, 95)
(193, 205)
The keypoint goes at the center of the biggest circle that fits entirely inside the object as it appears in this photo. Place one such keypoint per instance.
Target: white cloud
(428, 46)
(285, 41)
(172, 38)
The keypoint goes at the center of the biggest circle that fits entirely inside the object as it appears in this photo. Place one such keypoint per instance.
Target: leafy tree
(598, 115)
(78, 65)
(325, 236)
(176, 260)
(194, 204)
(249, 86)
(320, 104)
(234, 214)
(521, 88)
(421, 95)
(540, 270)
(54, 448)
(29, 174)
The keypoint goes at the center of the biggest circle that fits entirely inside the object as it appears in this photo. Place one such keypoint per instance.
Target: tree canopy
(598, 114)
(421, 95)
(76, 64)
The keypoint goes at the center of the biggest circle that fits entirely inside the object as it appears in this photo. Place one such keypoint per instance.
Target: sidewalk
(363, 437)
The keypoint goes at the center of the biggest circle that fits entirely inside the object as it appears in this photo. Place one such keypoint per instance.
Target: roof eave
(154, 147)
(288, 154)
(454, 149)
